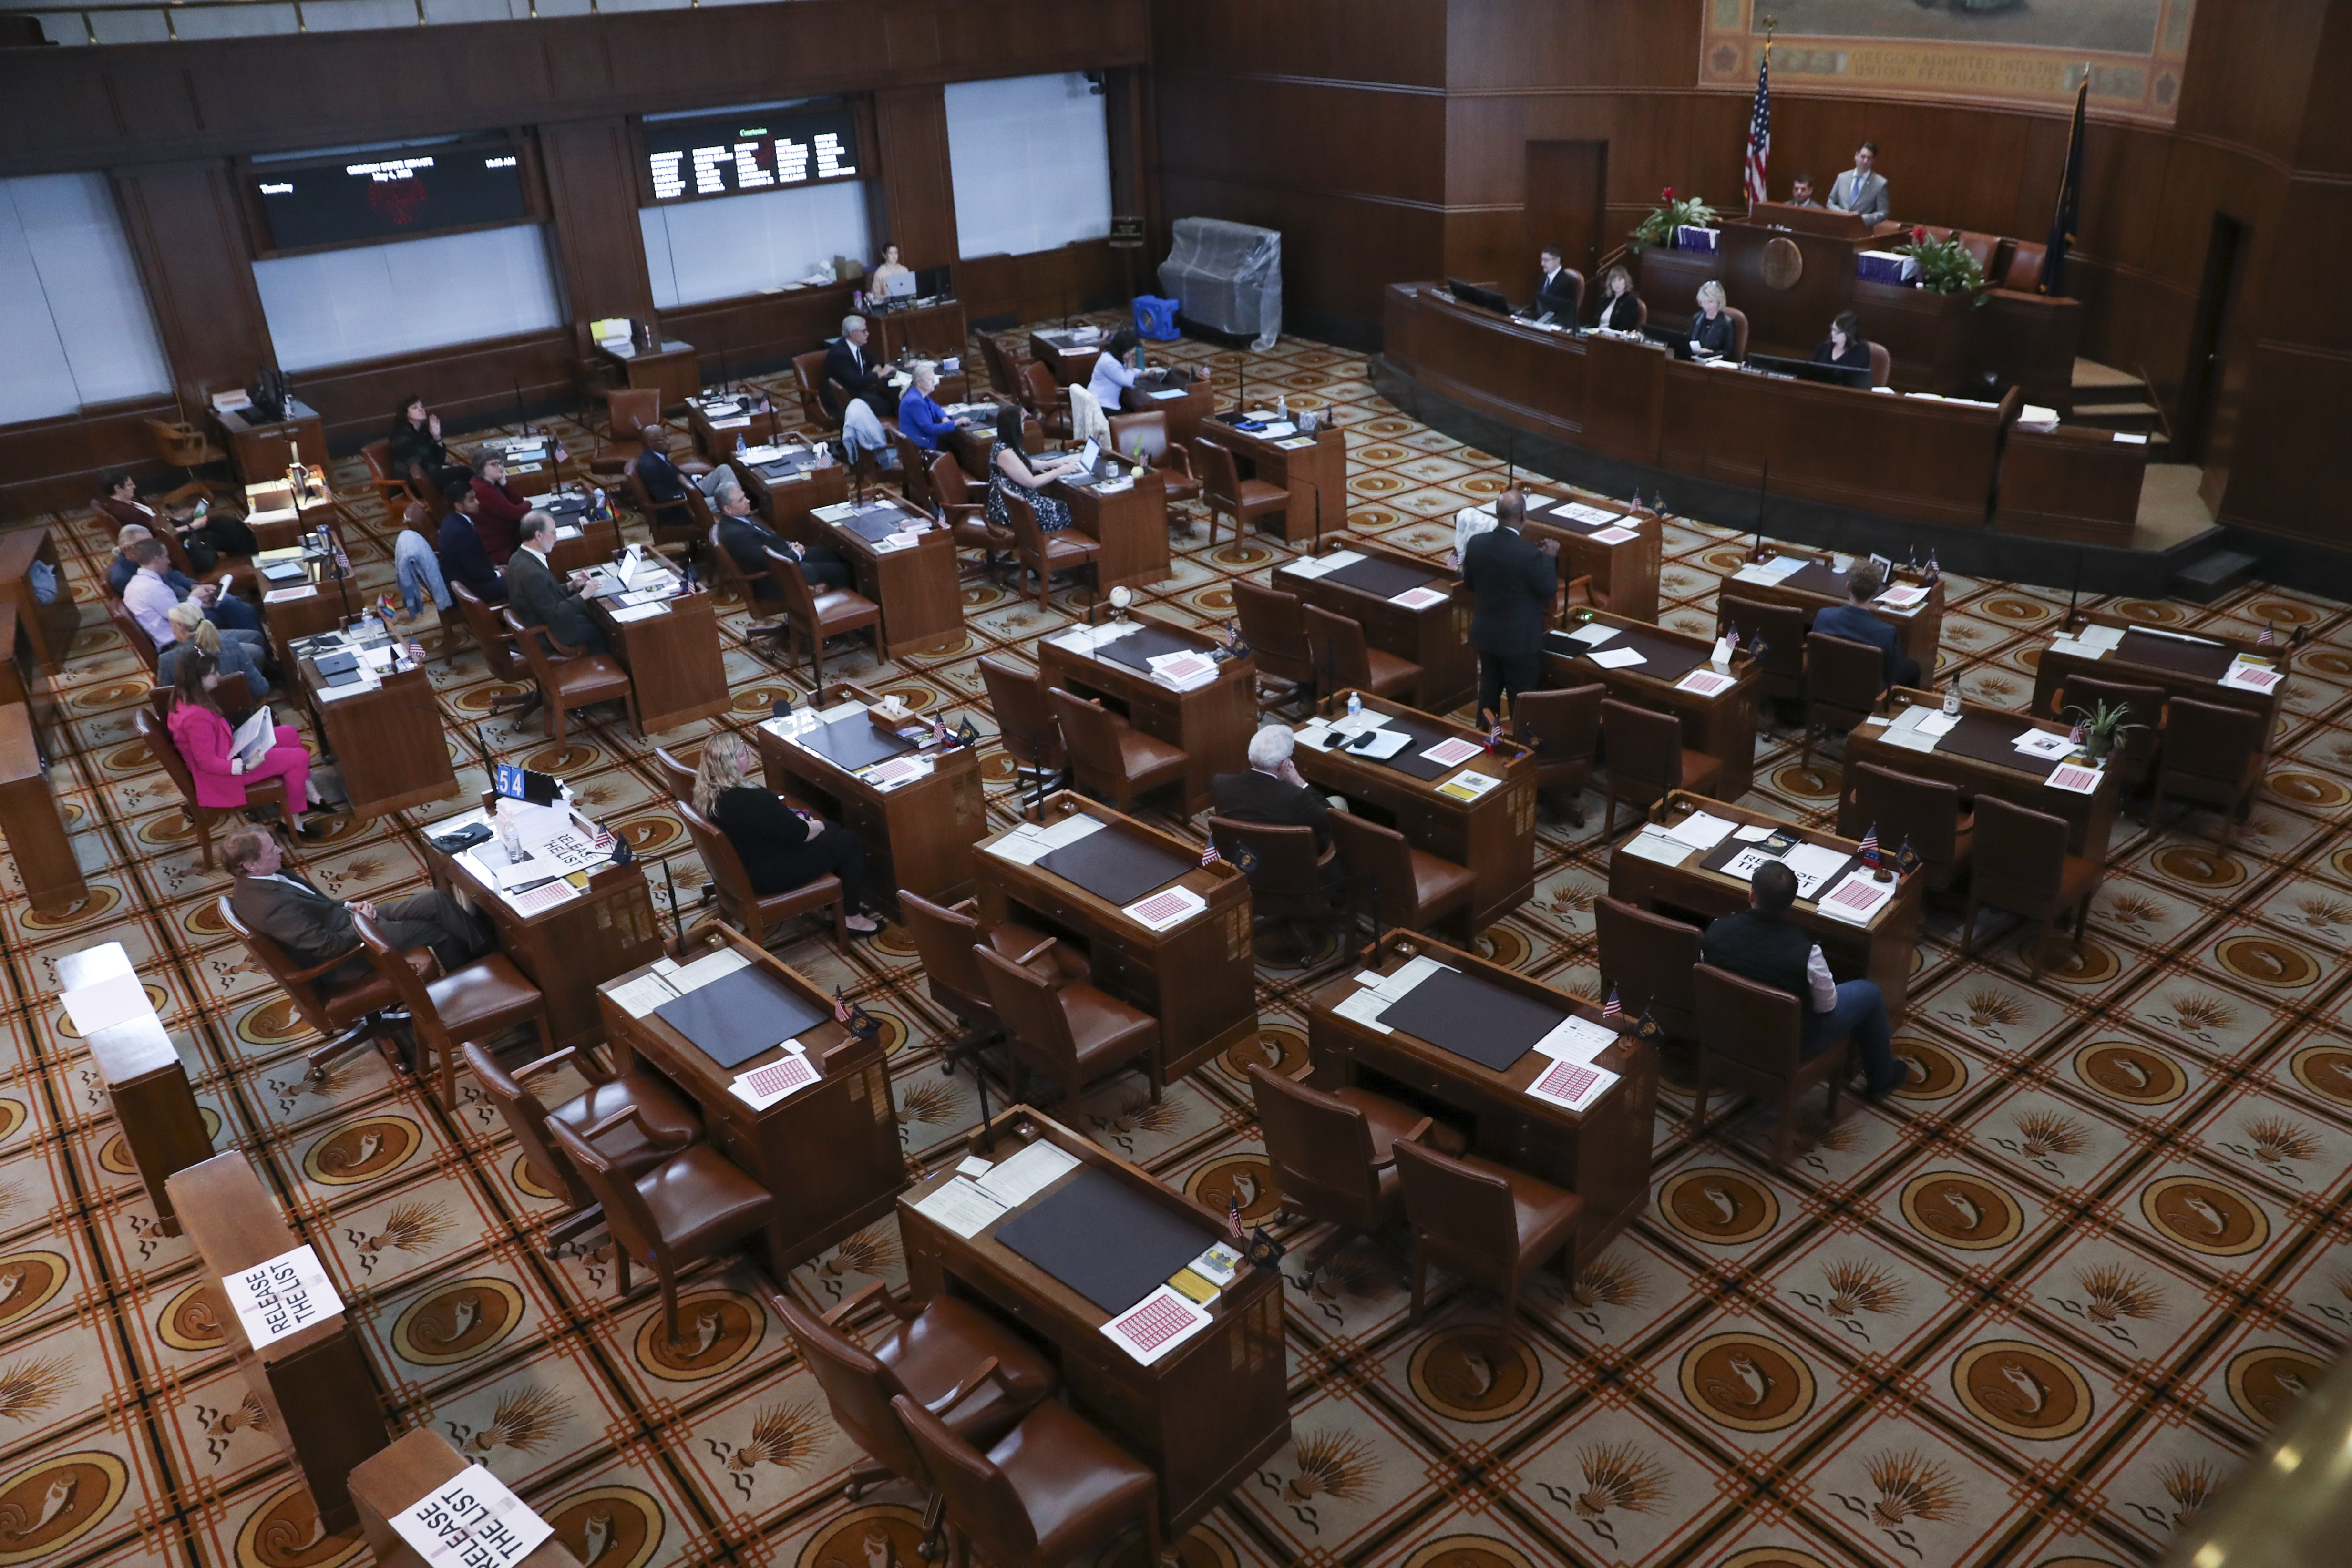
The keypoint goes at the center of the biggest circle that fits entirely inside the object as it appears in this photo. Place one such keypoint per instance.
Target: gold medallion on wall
(716, 1330)
(457, 1322)
(45, 1509)
(2205, 1216)
(1747, 1383)
(2023, 1389)
(617, 1527)
(1783, 263)
(1963, 1210)
(1471, 1374)
(1723, 1207)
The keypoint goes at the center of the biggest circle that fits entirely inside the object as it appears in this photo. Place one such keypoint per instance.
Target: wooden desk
(1818, 586)
(933, 332)
(48, 628)
(1436, 638)
(22, 679)
(33, 822)
(922, 602)
(1066, 360)
(1213, 724)
(313, 610)
(260, 448)
(2090, 819)
(1723, 726)
(2071, 483)
(387, 743)
(155, 1105)
(589, 542)
(1315, 475)
(568, 950)
(1205, 1416)
(919, 836)
(1493, 835)
(1131, 525)
(315, 1385)
(1185, 412)
(715, 437)
(829, 1152)
(2188, 667)
(1601, 1153)
(1881, 951)
(671, 369)
(789, 489)
(1625, 574)
(279, 517)
(388, 1484)
(673, 659)
(1199, 978)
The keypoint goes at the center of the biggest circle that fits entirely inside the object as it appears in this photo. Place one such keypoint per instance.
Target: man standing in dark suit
(1853, 622)
(539, 599)
(1514, 582)
(313, 927)
(464, 557)
(1558, 291)
(744, 537)
(1272, 792)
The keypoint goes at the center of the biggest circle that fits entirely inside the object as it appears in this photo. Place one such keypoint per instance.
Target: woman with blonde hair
(190, 629)
(782, 848)
(1620, 307)
(1711, 326)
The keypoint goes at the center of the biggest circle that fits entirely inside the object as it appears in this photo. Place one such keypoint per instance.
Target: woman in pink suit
(202, 737)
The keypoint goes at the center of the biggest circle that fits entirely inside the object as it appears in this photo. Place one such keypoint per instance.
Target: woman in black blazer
(1620, 307)
(414, 445)
(1844, 345)
(780, 848)
(1711, 324)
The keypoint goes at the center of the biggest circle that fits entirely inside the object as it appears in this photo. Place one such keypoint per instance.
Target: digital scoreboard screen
(390, 195)
(747, 152)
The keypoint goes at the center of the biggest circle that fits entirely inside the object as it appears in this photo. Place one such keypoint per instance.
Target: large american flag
(1760, 130)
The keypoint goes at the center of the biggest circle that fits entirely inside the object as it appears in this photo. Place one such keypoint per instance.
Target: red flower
(1918, 235)
(1667, 195)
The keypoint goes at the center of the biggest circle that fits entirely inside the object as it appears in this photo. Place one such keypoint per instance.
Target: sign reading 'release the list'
(281, 1295)
(471, 1521)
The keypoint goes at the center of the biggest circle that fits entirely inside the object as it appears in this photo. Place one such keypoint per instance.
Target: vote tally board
(282, 1296)
(471, 1521)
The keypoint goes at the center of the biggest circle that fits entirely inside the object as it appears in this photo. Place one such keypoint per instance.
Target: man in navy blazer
(464, 557)
(1853, 622)
(1515, 582)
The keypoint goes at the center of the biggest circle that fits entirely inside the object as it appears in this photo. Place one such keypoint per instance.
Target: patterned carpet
(2028, 1312)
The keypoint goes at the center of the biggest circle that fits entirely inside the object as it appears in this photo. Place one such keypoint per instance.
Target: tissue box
(1688, 237)
(1881, 267)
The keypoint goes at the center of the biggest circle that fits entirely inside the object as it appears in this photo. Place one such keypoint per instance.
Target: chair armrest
(591, 1069)
(904, 1310)
(315, 970)
(966, 906)
(964, 1388)
(564, 650)
(632, 1112)
(1412, 1136)
(1033, 952)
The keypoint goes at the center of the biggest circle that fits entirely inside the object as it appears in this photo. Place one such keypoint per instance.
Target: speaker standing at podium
(1860, 190)
(1514, 582)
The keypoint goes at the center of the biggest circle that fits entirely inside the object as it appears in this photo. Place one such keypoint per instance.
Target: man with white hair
(848, 364)
(744, 536)
(1272, 792)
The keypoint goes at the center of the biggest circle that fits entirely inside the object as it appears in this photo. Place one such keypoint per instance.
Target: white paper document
(1576, 1039)
(1015, 1181)
(702, 971)
(641, 995)
(1616, 536)
(1024, 845)
(282, 1296)
(1814, 865)
(1156, 1324)
(1365, 1008)
(962, 1208)
(2246, 677)
(1452, 752)
(1701, 830)
(1910, 596)
(763, 1086)
(2075, 778)
(1383, 745)
(1751, 835)
(639, 613)
(1593, 634)
(1858, 897)
(1572, 1085)
(2042, 743)
(1617, 658)
(1577, 511)
(1706, 682)
(1408, 976)
(1654, 844)
(471, 1521)
(1323, 564)
(543, 898)
(1167, 909)
(1420, 598)
(1938, 723)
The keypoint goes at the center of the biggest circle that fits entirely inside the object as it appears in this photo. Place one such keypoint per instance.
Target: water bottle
(1355, 705)
(596, 505)
(1952, 700)
(1282, 406)
(740, 445)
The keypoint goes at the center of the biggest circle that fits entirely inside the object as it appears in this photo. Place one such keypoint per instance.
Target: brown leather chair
(133, 634)
(1401, 887)
(1901, 806)
(1485, 1221)
(942, 1354)
(1342, 659)
(1844, 682)
(2025, 271)
(2132, 758)
(1751, 1037)
(1881, 364)
(1002, 378)
(1227, 492)
(1052, 1491)
(2023, 866)
(627, 411)
(567, 677)
(944, 936)
(184, 446)
(692, 1205)
(1648, 759)
(1334, 1155)
(505, 662)
(1148, 432)
(1286, 877)
(1043, 400)
(203, 819)
(666, 1126)
(1108, 756)
(1064, 549)
(966, 513)
(1025, 724)
(1782, 627)
(484, 1000)
(1739, 334)
(808, 375)
(668, 522)
(1562, 727)
(1647, 959)
(1273, 623)
(1068, 1030)
(1990, 252)
(677, 776)
(391, 489)
(914, 471)
(758, 915)
(2212, 753)
(349, 1014)
(812, 616)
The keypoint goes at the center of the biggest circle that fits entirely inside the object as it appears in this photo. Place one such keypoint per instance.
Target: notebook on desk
(1474, 1018)
(853, 742)
(876, 523)
(1106, 1240)
(1116, 865)
(1422, 736)
(1145, 644)
(737, 1016)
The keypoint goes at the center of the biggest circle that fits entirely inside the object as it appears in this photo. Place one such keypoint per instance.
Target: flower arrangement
(2102, 726)
(1944, 265)
(1671, 213)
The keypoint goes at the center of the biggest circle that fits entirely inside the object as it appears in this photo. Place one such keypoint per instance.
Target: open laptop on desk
(899, 285)
(1810, 371)
(1090, 455)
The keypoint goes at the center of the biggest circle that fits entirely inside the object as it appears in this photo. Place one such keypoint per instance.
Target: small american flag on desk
(2268, 636)
(1870, 847)
(1613, 1007)
(1209, 855)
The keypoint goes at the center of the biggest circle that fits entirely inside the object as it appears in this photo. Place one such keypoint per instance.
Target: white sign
(471, 1521)
(282, 1296)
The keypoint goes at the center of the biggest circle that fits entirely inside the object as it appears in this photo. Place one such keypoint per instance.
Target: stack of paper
(1156, 1325)
(1592, 517)
(1706, 682)
(1773, 570)
(1014, 1182)
(2042, 743)
(684, 977)
(1616, 536)
(1701, 830)
(1183, 671)
(1321, 564)
(763, 1086)
(1618, 658)
(1168, 909)
(1593, 634)
(543, 898)
(901, 769)
(2075, 778)
(639, 613)
(962, 1207)
(1654, 844)
(1577, 1041)
(2247, 676)
(1469, 786)
(1910, 596)
(1420, 598)
(2090, 642)
(1028, 843)
(641, 995)
(1452, 752)
(1814, 865)
(1858, 897)
(1571, 1085)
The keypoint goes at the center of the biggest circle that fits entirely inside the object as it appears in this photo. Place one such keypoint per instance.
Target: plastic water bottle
(1355, 705)
(740, 444)
(596, 505)
(1952, 700)
(1282, 406)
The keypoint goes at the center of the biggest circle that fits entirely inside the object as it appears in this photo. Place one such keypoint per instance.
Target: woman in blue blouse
(920, 418)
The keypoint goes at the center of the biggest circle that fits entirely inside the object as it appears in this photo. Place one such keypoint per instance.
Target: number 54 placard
(471, 1521)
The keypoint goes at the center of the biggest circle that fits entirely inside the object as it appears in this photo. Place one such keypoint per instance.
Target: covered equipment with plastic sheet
(1228, 277)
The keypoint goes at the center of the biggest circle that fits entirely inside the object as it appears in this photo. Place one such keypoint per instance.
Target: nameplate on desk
(282, 1296)
(471, 1521)
(1572, 1086)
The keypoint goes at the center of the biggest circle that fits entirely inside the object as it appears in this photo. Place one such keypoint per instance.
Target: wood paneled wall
(1387, 138)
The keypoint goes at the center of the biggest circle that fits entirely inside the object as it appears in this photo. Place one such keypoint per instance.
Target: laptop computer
(1090, 455)
(899, 285)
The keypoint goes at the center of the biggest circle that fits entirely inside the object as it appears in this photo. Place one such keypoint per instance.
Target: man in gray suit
(539, 599)
(1859, 190)
(313, 927)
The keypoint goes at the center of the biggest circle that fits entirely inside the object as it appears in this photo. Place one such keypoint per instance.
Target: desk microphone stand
(1761, 486)
(1319, 520)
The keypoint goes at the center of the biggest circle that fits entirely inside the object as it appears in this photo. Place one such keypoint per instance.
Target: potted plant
(1671, 213)
(1944, 265)
(2100, 726)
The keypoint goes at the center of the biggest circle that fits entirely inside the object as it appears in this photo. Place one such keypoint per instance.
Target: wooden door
(1567, 184)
